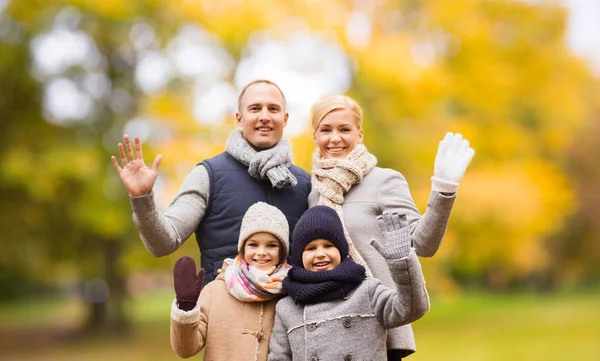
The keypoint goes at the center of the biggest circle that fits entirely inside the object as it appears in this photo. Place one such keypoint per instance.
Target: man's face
(262, 116)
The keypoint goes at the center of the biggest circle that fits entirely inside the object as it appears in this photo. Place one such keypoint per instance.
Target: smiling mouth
(336, 149)
(262, 261)
(321, 265)
(264, 129)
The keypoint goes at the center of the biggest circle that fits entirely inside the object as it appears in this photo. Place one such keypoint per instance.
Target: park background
(518, 273)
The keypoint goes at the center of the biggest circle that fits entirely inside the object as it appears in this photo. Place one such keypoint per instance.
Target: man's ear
(238, 119)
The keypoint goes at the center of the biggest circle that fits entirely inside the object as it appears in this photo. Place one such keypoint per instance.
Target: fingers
(378, 247)
(394, 221)
(456, 142)
(395, 218)
(463, 147)
(470, 154)
(156, 163)
(126, 153)
(389, 221)
(381, 224)
(400, 220)
(448, 137)
(138, 148)
(116, 164)
(443, 147)
(122, 154)
(128, 147)
(465, 151)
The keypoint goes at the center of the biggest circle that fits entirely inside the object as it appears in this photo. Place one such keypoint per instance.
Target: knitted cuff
(143, 204)
(440, 185)
(401, 268)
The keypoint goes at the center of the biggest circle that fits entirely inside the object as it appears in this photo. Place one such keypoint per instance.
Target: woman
(234, 315)
(346, 178)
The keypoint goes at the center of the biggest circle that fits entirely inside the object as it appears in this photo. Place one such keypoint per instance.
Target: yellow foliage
(303, 147)
(21, 165)
(498, 72)
(505, 211)
(113, 9)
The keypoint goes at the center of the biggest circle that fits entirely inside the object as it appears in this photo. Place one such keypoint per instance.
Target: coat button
(314, 358)
(348, 358)
(312, 327)
(347, 323)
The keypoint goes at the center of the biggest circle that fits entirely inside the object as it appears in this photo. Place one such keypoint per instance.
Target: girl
(333, 312)
(233, 315)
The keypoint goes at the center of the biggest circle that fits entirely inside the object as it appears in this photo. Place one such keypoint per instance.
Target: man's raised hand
(136, 176)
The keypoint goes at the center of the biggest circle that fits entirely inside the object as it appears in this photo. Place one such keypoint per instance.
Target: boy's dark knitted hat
(319, 222)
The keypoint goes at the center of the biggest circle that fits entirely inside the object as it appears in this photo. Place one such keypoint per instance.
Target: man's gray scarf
(272, 163)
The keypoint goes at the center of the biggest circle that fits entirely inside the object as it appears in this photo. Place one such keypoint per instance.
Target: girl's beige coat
(230, 329)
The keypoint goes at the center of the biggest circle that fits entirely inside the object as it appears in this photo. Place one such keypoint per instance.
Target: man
(256, 166)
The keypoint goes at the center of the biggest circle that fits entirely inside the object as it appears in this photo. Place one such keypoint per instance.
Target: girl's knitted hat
(319, 222)
(262, 217)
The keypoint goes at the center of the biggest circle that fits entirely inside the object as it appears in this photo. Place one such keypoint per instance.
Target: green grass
(511, 327)
(473, 327)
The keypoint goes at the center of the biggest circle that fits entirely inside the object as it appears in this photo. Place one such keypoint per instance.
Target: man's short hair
(243, 92)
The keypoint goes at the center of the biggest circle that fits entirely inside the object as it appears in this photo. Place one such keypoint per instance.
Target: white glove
(451, 162)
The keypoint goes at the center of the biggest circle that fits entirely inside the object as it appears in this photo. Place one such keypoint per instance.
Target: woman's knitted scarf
(308, 287)
(272, 163)
(249, 284)
(333, 178)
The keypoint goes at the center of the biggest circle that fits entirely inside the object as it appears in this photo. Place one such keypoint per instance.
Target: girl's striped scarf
(333, 178)
(249, 284)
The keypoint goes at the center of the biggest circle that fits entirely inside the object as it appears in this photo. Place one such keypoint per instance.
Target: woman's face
(262, 250)
(337, 134)
(320, 255)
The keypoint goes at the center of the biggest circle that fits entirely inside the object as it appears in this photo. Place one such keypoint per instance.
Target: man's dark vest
(232, 191)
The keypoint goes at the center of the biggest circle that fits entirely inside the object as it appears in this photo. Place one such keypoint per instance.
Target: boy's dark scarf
(308, 287)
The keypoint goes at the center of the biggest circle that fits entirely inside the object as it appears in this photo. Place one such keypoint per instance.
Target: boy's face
(320, 255)
(262, 250)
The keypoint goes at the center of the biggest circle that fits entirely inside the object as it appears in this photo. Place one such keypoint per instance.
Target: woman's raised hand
(452, 159)
(136, 176)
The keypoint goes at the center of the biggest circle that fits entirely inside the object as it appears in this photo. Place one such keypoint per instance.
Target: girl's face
(320, 255)
(337, 134)
(262, 250)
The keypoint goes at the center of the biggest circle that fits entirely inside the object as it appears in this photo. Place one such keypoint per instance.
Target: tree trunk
(106, 297)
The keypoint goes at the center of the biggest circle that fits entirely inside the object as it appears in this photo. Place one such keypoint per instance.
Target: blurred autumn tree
(498, 72)
(61, 222)
(501, 74)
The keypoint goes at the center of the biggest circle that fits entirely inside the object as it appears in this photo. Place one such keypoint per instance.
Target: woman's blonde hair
(331, 103)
